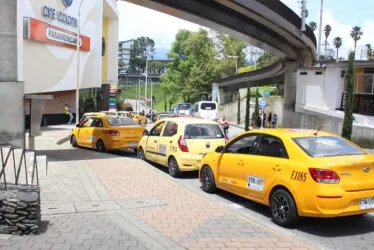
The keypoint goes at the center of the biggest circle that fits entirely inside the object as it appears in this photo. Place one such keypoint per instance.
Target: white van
(207, 110)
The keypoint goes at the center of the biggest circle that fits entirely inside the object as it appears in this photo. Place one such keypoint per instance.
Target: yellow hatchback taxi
(180, 144)
(296, 172)
(106, 133)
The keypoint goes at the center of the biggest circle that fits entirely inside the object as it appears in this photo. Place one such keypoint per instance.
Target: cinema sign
(46, 33)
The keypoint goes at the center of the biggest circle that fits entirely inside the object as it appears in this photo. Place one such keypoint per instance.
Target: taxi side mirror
(145, 132)
(219, 149)
(78, 125)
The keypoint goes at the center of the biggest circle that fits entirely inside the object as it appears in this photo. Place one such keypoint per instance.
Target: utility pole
(320, 29)
(146, 80)
(303, 15)
(78, 65)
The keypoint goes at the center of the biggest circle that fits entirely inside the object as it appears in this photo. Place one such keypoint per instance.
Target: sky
(341, 15)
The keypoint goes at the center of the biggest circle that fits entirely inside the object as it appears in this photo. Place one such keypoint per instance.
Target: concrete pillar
(290, 79)
(12, 122)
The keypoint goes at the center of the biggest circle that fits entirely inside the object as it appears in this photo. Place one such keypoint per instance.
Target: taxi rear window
(203, 131)
(121, 121)
(208, 106)
(325, 146)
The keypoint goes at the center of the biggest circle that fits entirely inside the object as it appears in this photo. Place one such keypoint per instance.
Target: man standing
(66, 110)
(70, 114)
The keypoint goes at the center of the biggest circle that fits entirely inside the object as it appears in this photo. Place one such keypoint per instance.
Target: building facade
(124, 55)
(50, 61)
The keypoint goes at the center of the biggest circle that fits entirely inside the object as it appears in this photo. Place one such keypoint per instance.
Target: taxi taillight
(324, 176)
(113, 133)
(182, 144)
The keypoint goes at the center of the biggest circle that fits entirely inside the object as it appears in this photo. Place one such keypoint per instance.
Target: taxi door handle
(170, 141)
(241, 163)
(277, 168)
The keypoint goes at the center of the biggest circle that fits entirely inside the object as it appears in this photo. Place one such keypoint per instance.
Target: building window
(103, 47)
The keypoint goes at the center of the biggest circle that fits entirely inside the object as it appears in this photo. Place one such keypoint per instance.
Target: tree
(247, 107)
(313, 25)
(155, 67)
(370, 52)
(338, 42)
(256, 115)
(138, 53)
(356, 34)
(348, 112)
(120, 63)
(238, 117)
(245, 69)
(266, 59)
(327, 31)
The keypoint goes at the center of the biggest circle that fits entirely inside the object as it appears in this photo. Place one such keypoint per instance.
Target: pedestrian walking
(264, 120)
(70, 114)
(269, 120)
(66, 111)
(274, 121)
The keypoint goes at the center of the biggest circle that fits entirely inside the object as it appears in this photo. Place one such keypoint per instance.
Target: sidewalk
(103, 201)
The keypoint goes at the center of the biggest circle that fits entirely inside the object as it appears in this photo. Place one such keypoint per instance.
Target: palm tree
(370, 52)
(338, 41)
(313, 25)
(327, 31)
(356, 34)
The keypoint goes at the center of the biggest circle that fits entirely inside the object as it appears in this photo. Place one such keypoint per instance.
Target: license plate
(255, 183)
(367, 203)
(133, 144)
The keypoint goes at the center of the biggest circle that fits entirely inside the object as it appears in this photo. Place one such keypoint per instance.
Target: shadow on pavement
(184, 175)
(43, 227)
(80, 154)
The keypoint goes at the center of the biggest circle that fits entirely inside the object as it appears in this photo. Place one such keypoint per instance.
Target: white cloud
(135, 21)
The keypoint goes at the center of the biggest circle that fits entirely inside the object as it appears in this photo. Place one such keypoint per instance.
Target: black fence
(362, 103)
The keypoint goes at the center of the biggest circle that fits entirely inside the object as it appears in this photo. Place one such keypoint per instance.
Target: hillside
(129, 92)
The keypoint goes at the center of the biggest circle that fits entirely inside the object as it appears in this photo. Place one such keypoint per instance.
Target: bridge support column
(289, 101)
(12, 122)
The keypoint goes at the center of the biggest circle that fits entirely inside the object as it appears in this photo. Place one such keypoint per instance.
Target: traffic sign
(263, 104)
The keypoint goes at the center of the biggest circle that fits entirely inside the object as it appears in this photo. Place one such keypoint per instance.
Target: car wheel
(207, 181)
(173, 167)
(100, 147)
(283, 208)
(73, 141)
(141, 154)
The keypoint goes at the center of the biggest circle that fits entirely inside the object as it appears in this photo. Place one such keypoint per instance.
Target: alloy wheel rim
(205, 178)
(172, 166)
(100, 146)
(141, 154)
(280, 207)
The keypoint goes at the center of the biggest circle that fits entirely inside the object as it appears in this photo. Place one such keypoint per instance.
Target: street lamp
(236, 63)
(151, 89)
(78, 78)
(146, 74)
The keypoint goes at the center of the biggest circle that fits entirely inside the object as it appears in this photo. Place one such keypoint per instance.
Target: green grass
(130, 93)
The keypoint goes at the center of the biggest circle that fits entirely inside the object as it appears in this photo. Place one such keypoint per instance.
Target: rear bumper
(335, 205)
(118, 145)
(190, 163)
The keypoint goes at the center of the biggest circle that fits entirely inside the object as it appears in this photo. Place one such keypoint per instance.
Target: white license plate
(367, 203)
(133, 144)
(255, 183)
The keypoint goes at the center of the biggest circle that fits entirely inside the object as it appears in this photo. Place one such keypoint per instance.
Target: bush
(126, 107)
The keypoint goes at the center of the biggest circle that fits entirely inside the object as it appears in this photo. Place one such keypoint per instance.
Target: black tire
(73, 141)
(207, 181)
(141, 154)
(100, 147)
(173, 167)
(283, 208)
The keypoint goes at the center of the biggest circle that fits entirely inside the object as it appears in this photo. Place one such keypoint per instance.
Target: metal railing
(362, 103)
(15, 169)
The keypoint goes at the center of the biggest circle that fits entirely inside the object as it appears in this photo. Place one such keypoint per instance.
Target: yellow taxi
(106, 133)
(139, 117)
(179, 144)
(296, 172)
(117, 113)
(161, 116)
(87, 115)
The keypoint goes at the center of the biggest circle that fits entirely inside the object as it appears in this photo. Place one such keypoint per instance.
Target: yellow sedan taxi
(180, 144)
(296, 172)
(139, 118)
(106, 133)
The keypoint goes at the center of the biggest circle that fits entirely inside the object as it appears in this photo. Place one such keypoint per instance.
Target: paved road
(342, 233)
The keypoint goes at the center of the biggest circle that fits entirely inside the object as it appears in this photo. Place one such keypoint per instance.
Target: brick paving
(103, 201)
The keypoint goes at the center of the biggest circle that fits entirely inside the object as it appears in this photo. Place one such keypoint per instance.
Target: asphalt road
(339, 233)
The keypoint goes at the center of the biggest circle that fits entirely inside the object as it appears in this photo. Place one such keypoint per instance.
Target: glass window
(324, 146)
(87, 123)
(271, 146)
(97, 122)
(208, 106)
(184, 106)
(244, 145)
(156, 131)
(203, 131)
(171, 129)
(121, 121)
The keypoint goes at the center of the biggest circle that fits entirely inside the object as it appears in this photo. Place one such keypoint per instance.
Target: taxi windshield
(203, 131)
(121, 121)
(325, 146)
